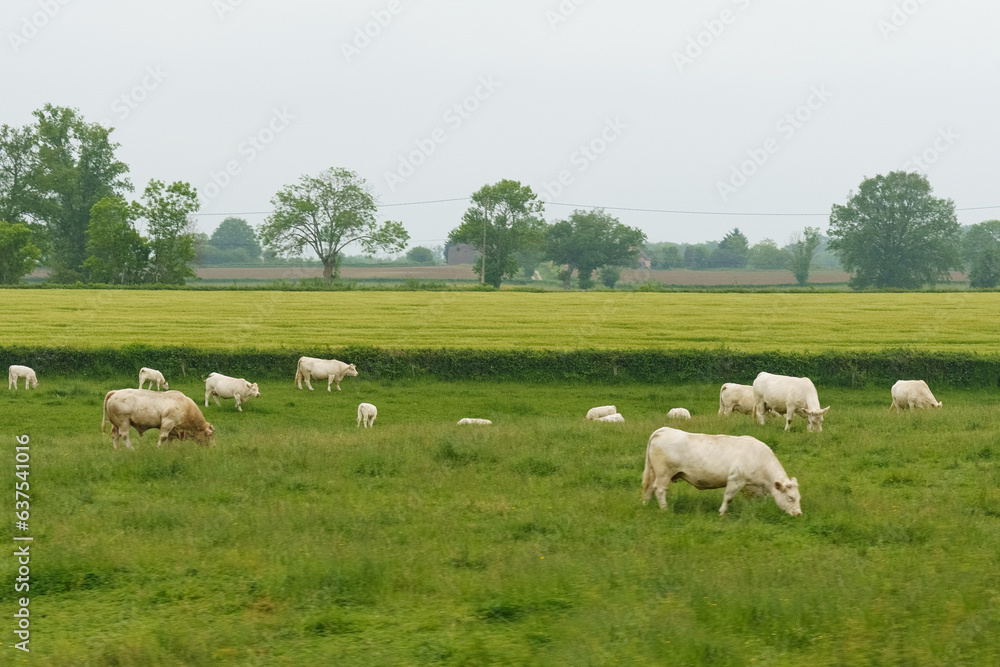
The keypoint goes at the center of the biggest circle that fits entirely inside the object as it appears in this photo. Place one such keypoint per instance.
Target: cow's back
(781, 392)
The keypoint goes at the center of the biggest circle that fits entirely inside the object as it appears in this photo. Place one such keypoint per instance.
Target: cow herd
(705, 461)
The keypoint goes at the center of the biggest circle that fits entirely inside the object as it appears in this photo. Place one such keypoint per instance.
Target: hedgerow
(845, 369)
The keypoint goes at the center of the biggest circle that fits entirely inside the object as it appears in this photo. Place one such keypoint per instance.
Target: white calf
(14, 373)
(152, 376)
(367, 414)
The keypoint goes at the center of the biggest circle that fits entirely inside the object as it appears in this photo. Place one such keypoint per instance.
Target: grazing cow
(736, 397)
(714, 462)
(788, 395)
(603, 411)
(222, 385)
(469, 420)
(153, 376)
(176, 415)
(329, 369)
(611, 418)
(367, 413)
(679, 413)
(912, 394)
(15, 372)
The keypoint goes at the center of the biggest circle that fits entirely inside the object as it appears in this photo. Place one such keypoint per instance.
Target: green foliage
(801, 252)
(237, 236)
(326, 214)
(75, 168)
(167, 210)
(505, 218)
(664, 255)
(981, 251)
(18, 164)
(732, 251)
(117, 253)
(696, 256)
(894, 233)
(767, 256)
(610, 276)
(420, 255)
(18, 255)
(590, 240)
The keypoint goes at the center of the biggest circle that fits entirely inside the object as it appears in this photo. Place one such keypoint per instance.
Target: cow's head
(206, 436)
(351, 370)
(254, 390)
(786, 494)
(939, 404)
(34, 382)
(166, 385)
(815, 418)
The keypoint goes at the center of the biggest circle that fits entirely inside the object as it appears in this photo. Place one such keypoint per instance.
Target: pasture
(301, 539)
(789, 322)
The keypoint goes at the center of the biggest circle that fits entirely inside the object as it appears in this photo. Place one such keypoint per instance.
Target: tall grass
(798, 323)
(302, 539)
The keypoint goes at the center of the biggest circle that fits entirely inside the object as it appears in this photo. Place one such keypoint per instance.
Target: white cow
(367, 413)
(176, 415)
(790, 396)
(470, 420)
(912, 394)
(15, 372)
(603, 411)
(679, 413)
(736, 397)
(152, 376)
(222, 385)
(714, 462)
(329, 369)
(611, 418)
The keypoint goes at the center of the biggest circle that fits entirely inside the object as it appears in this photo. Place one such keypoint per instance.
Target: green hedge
(850, 369)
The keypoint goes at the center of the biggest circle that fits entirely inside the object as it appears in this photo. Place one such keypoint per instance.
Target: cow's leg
(759, 410)
(329, 382)
(216, 397)
(208, 393)
(166, 426)
(338, 385)
(660, 486)
(308, 377)
(734, 484)
(126, 428)
(237, 397)
(788, 419)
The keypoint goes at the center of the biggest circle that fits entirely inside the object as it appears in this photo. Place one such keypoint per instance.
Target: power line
(614, 208)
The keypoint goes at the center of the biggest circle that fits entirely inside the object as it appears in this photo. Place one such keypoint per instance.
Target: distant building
(461, 254)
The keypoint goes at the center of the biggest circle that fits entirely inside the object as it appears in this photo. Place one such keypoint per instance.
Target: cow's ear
(823, 411)
(793, 482)
(778, 485)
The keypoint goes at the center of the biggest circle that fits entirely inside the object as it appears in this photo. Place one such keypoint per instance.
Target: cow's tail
(104, 415)
(298, 373)
(648, 476)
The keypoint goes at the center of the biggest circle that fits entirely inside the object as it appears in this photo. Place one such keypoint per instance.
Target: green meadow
(303, 540)
(748, 322)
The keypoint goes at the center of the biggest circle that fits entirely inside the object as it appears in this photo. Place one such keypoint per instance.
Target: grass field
(948, 321)
(302, 540)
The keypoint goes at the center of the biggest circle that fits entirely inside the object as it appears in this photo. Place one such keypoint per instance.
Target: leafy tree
(981, 251)
(166, 209)
(420, 255)
(75, 168)
(118, 254)
(590, 240)
(504, 219)
(18, 162)
(696, 256)
(327, 213)
(893, 233)
(767, 256)
(529, 257)
(801, 251)
(732, 251)
(237, 234)
(664, 255)
(610, 275)
(18, 255)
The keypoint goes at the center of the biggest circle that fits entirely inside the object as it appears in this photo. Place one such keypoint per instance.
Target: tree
(696, 256)
(504, 219)
(235, 234)
(893, 233)
(327, 213)
(732, 251)
(801, 251)
(420, 255)
(664, 255)
(18, 255)
(591, 240)
(75, 168)
(767, 256)
(166, 209)
(118, 254)
(981, 251)
(18, 162)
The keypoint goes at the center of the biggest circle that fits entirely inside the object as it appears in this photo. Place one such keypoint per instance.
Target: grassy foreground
(947, 321)
(301, 539)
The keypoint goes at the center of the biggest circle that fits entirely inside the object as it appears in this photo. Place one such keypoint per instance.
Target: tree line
(64, 202)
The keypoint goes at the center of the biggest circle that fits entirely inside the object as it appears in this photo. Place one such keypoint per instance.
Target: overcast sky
(729, 106)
